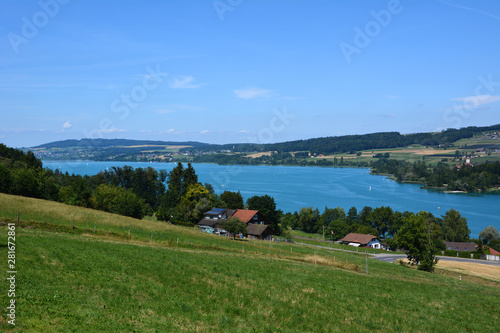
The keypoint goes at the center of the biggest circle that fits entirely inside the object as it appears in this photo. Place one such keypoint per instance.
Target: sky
(231, 71)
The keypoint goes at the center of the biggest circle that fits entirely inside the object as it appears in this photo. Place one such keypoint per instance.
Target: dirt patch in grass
(480, 270)
(415, 151)
(266, 153)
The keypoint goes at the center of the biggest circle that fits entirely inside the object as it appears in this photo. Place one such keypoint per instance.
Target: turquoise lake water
(297, 187)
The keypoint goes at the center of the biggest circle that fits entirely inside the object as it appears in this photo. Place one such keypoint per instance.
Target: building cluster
(258, 227)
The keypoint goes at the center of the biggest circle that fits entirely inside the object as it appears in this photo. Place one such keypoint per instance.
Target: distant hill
(105, 143)
(346, 143)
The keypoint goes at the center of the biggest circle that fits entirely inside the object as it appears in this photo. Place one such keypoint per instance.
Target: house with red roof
(494, 252)
(362, 240)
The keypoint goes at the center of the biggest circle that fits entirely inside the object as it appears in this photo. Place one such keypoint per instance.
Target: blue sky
(244, 71)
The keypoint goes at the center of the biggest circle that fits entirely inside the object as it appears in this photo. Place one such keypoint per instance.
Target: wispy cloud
(169, 131)
(380, 115)
(252, 92)
(470, 9)
(111, 130)
(244, 131)
(165, 111)
(67, 125)
(478, 100)
(171, 108)
(185, 82)
(204, 131)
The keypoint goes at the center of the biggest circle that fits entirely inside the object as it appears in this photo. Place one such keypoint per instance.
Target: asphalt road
(392, 257)
(388, 257)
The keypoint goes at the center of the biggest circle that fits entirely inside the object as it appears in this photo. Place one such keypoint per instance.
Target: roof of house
(245, 215)
(230, 212)
(209, 222)
(358, 238)
(494, 252)
(215, 211)
(257, 229)
(460, 246)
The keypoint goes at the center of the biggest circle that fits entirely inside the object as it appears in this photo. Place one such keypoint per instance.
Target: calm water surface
(297, 187)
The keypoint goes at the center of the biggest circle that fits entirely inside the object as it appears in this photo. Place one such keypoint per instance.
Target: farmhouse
(363, 240)
(460, 246)
(213, 218)
(258, 227)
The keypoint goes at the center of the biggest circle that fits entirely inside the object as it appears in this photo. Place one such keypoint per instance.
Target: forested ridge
(347, 143)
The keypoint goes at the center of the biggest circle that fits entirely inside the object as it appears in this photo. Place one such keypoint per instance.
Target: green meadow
(95, 277)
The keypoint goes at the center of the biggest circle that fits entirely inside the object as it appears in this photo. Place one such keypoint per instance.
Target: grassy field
(80, 281)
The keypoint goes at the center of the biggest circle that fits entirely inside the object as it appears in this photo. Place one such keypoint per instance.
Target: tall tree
(488, 234)
(455, 227)
(380, 219)
(309, 220)
(352, 216)
(415, 236)
(233, 200)
(189, 178)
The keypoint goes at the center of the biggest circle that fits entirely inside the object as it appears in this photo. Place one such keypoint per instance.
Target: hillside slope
(185, 281)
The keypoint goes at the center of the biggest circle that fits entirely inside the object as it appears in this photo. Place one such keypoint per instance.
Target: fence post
(177, 241)
(366, 264)
(73, 223)
(129, 233)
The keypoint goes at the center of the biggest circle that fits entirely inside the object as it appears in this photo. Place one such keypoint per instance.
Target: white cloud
(250, 93)
(204, 131)
(478, 100)
(67, 125)
(184, 82)
(167, 131)
(244, 131)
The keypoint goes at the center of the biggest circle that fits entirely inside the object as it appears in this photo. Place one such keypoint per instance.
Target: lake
(297, 187)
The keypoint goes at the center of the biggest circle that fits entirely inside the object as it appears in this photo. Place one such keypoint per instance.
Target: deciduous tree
(415, 236)
(455, 227)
